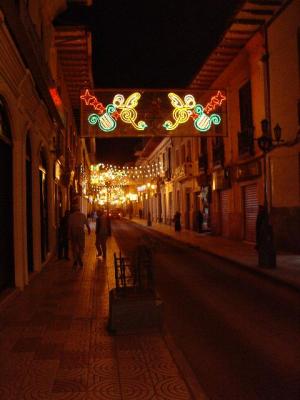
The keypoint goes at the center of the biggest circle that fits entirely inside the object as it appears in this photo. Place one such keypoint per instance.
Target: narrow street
(239, 332)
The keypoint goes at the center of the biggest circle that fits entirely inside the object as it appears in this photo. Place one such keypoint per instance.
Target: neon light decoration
(186, 108)
(214, 102)
(55, 96)
(128, 112)
(106, 121)
(106, 118)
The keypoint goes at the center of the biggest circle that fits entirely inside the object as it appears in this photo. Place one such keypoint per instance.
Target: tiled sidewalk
(54, 344)
(241, 253)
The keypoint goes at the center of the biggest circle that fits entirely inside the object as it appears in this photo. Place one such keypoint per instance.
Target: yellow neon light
(182, 110)
(128, 113)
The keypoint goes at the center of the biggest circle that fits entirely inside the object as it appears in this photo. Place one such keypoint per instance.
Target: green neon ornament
(105, 121)
(203, 122)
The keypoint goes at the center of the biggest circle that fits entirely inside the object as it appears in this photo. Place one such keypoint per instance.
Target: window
(189, 151)
(245, 100)
(183, 154)
(245, 136)
(177, 158)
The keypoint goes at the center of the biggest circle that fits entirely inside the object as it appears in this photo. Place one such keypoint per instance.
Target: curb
(184, 368)
(253, 270)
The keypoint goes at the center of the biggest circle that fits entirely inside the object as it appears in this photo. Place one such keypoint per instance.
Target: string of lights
(125, 173)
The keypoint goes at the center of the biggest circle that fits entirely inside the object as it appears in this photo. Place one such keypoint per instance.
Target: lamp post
(265, 240)
(149, 222)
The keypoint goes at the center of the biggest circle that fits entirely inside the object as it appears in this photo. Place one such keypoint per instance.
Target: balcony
(183, 171)
(246, 142)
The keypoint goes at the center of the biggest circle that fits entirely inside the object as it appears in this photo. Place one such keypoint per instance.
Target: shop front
(246, 176)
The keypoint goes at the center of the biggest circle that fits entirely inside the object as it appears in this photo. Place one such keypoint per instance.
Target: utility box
(134, 305)
(134, 312)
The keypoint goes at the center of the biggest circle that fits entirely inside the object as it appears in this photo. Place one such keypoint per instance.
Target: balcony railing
(246, 142)
(184, 171)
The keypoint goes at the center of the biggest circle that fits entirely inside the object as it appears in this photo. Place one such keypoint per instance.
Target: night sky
(151, 44)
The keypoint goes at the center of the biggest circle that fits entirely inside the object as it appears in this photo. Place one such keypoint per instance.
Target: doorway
(187, 209)
(43, 207)
(7, 268)
(29, 206)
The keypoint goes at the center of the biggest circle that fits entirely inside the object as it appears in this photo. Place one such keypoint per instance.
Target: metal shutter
(225, 212)
(250, 211)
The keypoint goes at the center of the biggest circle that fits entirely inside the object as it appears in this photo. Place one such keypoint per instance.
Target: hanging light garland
(125, 174)
(106, 182)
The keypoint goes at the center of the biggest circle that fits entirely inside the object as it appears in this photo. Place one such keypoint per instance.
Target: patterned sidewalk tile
(54, 342)
(71, 380)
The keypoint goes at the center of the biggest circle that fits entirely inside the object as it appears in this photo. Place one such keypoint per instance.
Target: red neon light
(92, 101)
(115, 115)
(55, 96)
(87, 97)
(214, 102)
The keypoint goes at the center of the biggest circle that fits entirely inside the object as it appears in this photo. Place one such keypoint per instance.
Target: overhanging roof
(74, 51)
(249, 18)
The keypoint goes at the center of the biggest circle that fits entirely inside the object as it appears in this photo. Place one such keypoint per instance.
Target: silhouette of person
(176, 220)
(77, 222)
(63, 239)
(199, 220)
(101, 234)
(261, 221)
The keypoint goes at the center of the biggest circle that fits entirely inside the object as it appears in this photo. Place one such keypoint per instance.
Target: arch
(7, 265)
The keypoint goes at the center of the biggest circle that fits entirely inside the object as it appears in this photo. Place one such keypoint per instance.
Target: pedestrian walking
(77, 222)
(177, 222)
(199, 220)
(261, 223)
(102, 234)
(140, 213)
(63, 237)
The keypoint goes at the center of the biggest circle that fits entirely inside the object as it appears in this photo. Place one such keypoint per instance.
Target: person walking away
(176, 220)
(63, 239)
(77, 222)
(200, 220)
(101, 234)
(261, 220)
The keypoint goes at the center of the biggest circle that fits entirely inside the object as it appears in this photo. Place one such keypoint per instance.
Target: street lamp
(265, 245)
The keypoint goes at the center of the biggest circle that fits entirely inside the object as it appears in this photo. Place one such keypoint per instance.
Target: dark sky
(151, 44)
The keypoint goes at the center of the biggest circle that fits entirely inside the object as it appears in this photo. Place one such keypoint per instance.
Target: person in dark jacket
(199, 220)
(176, 220)
(261, 221)
(102, 233)
(63, 239)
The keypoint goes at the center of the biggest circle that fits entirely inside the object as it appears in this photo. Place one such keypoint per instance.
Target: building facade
(227, 177)
(40, 148)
